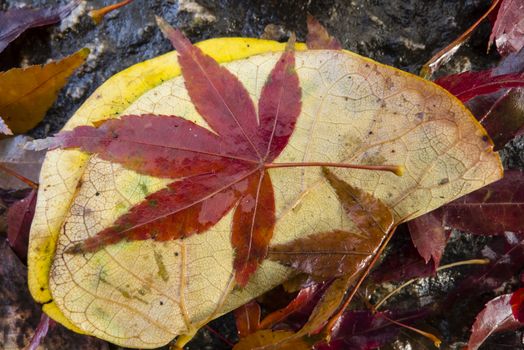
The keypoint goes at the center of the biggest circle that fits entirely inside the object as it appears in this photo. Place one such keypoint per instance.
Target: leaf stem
(18, 176)
(395, 169)
(443, 267)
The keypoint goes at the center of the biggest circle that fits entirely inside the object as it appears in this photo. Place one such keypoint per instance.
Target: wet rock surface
(401, 33)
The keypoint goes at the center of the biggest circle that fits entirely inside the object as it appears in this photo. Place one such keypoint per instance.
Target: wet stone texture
(401, 33)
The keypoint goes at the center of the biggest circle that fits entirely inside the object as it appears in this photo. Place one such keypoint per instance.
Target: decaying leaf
(144, 293)
(492, 210)
(496, 316)
(508, 29)
(27, 93)
(14, 157)
(15, 21)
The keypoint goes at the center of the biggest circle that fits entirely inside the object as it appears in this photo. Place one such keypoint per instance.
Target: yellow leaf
(354, 110)
(27, 93)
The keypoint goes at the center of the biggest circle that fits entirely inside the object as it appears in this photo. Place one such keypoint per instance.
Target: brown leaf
(325, 254)
(27, 93)
(370, 214)
(247, 318)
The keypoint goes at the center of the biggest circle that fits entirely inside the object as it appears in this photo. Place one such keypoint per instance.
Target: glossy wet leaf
(247, 318)
(364, 330)
(492, 210)
(502, 112)
(508, 29)
(471, 84)
(144, 293)
(495, 317)
(27, 93)
(15, 21)
(517, 304)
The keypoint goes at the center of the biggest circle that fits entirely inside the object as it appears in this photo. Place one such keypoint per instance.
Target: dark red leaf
(15, 21)
(215, 170)
(19, 218)
(517, 304)
(318, 37)
(502, 112)
(491, 210)
(247, 318)
(495, 317)
(507, 258)
(469, 84)
(429, 236)
(508, 30)
(364, 330)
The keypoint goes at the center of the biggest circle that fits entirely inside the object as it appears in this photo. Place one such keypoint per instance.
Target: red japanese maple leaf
(216, 170)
